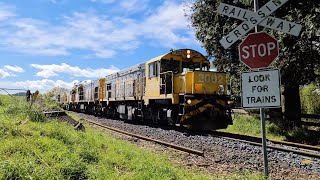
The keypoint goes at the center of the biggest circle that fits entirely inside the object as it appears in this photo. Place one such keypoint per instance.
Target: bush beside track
(251, 125)
(32, 147)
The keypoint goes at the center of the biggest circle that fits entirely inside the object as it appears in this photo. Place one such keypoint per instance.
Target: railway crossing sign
(269, 22)
(252, 19)
(261, 89)
(258, 50)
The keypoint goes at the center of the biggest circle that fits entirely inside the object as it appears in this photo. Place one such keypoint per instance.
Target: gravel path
(222, 155)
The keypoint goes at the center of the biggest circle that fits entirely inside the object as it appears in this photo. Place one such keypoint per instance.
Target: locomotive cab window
(205, 67)
(153, 69)
(190, 66)
(170, 65)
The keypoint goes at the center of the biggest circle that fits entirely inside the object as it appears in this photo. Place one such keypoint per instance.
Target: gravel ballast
(223, 155)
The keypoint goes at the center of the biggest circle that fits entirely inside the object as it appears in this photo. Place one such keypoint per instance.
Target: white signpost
(261, 89)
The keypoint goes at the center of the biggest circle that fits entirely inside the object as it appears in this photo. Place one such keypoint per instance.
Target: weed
(74, 170)
(37, 116)
(89, 155)
(13, 170)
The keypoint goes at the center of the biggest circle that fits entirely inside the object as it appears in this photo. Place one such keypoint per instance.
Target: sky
(48, 43)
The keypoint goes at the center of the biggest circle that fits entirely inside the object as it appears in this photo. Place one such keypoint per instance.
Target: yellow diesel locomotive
(176, 88)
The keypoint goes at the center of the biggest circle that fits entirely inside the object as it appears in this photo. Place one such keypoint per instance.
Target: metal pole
(262, 117)
(256, 7)
(264, 143)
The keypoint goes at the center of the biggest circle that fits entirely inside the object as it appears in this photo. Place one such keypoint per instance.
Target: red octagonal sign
(258, 50)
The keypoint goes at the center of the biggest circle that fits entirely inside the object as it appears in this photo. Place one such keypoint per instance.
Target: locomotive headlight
(189, 101)
(188, 54)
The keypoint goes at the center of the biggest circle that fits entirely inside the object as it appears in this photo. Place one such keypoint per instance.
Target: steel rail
(257, 139)
(304, 153)
(181, 148)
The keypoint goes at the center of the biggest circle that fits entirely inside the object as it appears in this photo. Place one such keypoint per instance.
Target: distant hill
(20, 94)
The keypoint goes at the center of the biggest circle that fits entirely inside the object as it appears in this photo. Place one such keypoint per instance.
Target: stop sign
(258, 50)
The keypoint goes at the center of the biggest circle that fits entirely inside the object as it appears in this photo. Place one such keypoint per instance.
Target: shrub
(37, 116)
(310, 99)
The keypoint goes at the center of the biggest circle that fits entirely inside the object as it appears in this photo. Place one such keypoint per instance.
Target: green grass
(43, 149)
(251, 125)
(33, 147)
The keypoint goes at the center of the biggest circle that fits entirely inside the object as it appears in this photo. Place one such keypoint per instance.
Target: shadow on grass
(297, 134)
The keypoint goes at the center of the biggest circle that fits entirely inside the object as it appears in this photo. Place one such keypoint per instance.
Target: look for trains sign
(261, 89)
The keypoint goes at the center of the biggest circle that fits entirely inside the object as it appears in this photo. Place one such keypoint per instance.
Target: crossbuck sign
(252, 19)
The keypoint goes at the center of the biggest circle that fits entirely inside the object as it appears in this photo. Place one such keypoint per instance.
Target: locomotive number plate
(210, 78)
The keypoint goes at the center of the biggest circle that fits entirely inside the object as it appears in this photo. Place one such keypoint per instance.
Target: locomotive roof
(179, 54)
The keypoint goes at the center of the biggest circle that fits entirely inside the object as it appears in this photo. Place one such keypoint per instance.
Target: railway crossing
(260, 17)
(258, 51)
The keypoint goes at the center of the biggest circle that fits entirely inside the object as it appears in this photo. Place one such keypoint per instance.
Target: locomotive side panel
(87, 92)
(126, 85)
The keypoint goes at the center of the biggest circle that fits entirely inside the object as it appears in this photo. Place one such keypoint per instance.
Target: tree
(299, 59)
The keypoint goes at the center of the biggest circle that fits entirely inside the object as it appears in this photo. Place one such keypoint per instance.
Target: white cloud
(16, 69)
(100, 35)
(169, 25)
(51, 70)
(4, 74)
(134, 5)
(103, 1)
(7, 70)
(46, 73)
(43, 85)
(6, 12)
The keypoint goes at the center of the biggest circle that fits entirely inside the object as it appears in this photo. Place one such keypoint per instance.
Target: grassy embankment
(251, 125)
(32, 147)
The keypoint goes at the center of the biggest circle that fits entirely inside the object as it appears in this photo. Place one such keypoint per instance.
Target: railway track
(181, 148)
(63, 116)
(214, 151)
(301, 149)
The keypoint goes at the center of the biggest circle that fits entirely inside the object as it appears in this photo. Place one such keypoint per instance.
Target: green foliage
(249, 125)
(52, 104)
(310, 99)
(74, 169)
(302, 135)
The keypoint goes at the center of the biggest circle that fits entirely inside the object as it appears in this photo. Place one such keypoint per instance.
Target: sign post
(262, 117)
(260, 89)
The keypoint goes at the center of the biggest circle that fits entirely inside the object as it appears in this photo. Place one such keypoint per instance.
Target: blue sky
(47, 43)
